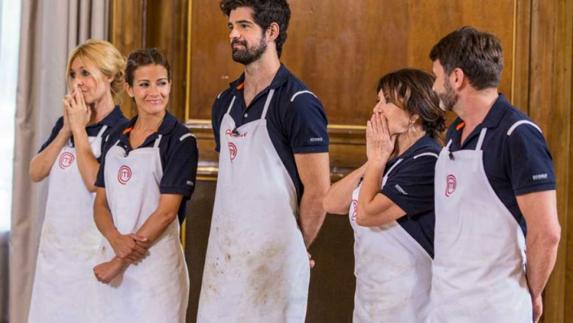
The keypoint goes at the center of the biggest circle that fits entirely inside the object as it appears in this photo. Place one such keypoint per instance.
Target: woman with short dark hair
(390, 201)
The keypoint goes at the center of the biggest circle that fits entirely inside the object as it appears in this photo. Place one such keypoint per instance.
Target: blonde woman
(64, 286)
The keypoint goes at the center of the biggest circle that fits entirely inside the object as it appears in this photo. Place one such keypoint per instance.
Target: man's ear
(457, 78)
(273, 31)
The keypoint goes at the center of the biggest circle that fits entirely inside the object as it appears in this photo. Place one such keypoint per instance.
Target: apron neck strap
(392, 168)
(101, 131)
(449, 144)
(481, 138)
(157, 141)
(231, 105)
(267, 103)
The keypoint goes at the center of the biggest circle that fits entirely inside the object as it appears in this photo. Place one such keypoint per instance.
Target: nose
(233, 33)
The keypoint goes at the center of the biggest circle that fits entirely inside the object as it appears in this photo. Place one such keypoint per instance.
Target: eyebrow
(249, 22)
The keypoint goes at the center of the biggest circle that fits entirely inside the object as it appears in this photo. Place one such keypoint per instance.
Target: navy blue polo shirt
(410, 185)
(515, 164)
(113, 118)
(178, 151)
(296, 121)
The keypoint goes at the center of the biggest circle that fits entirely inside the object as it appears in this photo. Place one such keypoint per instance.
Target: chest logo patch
(232, 151)
(354, 207)
(66, 160)
(124, 174)
(450, 185)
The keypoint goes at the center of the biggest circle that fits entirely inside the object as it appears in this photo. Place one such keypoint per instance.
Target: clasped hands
(129, 249)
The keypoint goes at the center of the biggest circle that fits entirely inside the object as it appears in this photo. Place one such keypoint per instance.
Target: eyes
(240, 25)
(83, 73)
(146, 84)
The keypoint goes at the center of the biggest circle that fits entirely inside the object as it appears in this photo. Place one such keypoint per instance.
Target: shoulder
(296, 93)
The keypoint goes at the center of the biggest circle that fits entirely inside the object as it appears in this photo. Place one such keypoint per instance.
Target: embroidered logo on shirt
(400, 189)
(190, 183)
(66, 160)
(537, 177)
(450, 185)
(232, 151)
(354, 207)
(317, 139)
(124, 174)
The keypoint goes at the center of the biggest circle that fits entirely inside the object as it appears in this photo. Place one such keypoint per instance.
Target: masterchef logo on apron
(450, 185)
(124, 174)
(66, 160)
(232, 150)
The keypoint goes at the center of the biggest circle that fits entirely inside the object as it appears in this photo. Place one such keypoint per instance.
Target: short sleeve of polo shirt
(180, 169)
(306, 124)
(55, 130)
(530, 165)
(412, 186)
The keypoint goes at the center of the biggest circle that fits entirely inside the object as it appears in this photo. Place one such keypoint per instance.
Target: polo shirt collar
(167, 125)
(111, 119)
(280, 78)
(496, 113)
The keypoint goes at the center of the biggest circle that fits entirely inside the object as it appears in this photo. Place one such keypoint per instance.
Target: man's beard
(449, 98)
(248, 55)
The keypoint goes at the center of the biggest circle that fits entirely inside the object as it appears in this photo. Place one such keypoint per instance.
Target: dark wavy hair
(411, 90)
(265, 13)
(144, 57)
(478, 54)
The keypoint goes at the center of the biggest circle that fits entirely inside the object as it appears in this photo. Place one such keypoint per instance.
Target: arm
(41, 164)
(79, 115)
(374, 208)
(543, 235)
(159, 220)
(124, 246)
(314, 173)
(339, 196)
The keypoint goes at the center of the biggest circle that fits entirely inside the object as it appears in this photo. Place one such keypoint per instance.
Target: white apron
(393, 272)
(64, 285)
(479, 262)
(157, 289)
(256, 268)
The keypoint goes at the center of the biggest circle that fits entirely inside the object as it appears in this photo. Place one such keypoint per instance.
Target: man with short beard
(494, 193)
(270, 132)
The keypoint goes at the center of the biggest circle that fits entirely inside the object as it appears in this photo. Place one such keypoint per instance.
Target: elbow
(553, 237)
(91, 188)
(549, 238)
(329, 205)
(35, 174)
(362, 218)
(167, 217)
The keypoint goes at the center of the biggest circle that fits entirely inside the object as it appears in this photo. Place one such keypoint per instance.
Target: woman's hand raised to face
(379, 142)
(78, 113)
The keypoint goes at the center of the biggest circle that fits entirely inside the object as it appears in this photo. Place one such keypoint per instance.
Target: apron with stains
(157, 288)
(393, 271)
(64, 285)
(256, 268)
(479, 262)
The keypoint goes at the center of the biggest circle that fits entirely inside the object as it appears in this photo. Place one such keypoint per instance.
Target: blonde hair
(106, 58)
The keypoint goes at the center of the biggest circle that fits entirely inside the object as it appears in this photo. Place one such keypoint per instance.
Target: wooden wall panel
(550, 105)
(341, 54)
(153, 23)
